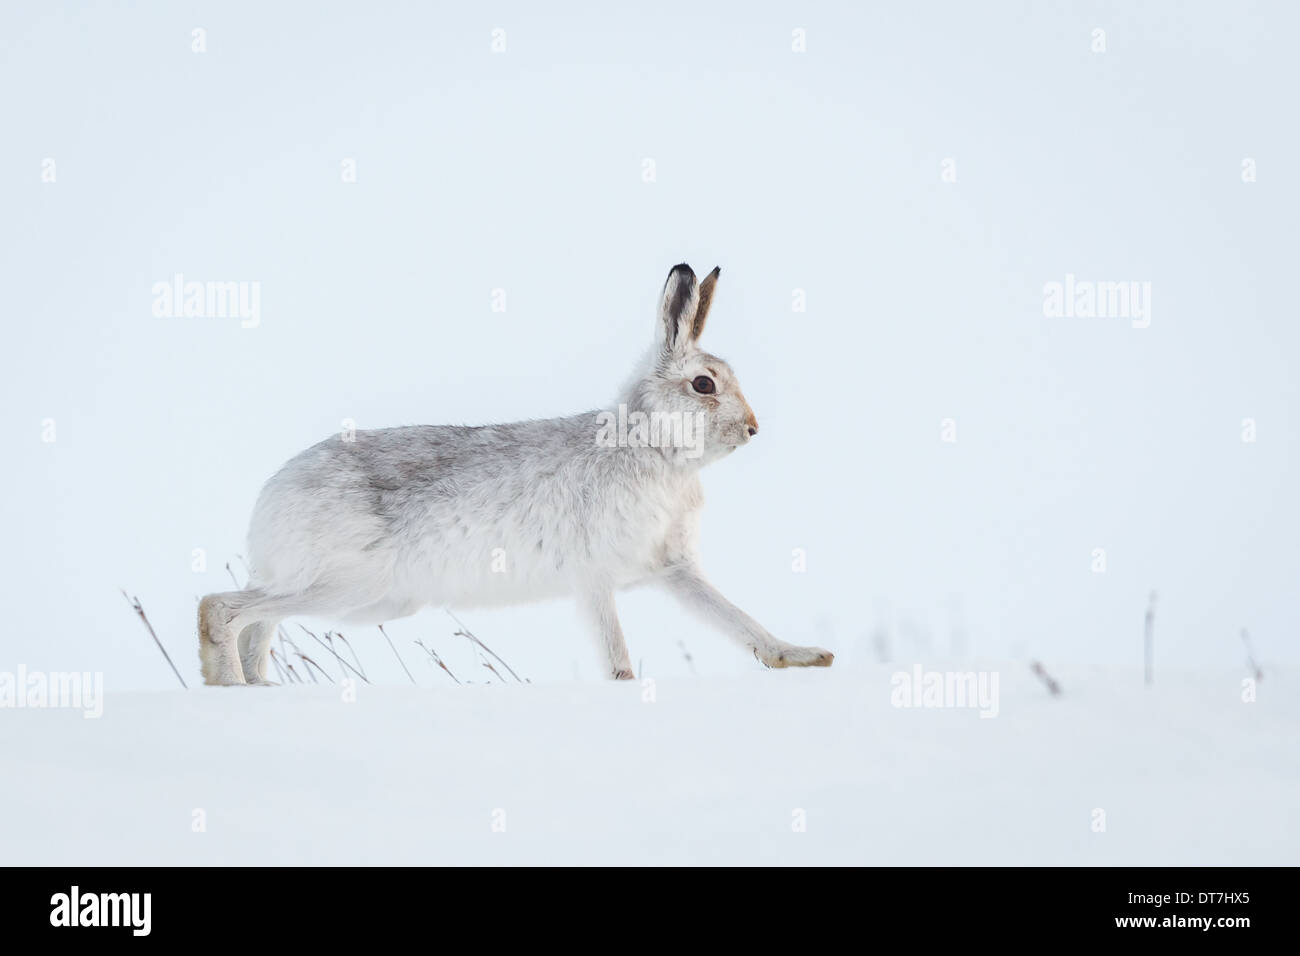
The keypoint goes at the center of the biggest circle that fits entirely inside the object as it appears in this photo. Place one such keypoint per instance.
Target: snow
(683, 770)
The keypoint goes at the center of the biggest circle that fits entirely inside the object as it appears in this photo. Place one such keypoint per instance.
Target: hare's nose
(753, 430)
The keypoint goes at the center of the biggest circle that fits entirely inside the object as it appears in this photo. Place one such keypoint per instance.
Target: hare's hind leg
(236, 628)
(235, 633)
(254, 648)
(218, 637)
(598, 607)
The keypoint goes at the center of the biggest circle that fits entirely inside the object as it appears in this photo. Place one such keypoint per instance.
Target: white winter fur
(377, 527)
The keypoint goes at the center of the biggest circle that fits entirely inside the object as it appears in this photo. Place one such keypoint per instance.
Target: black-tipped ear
(706, 299)
(677, 309)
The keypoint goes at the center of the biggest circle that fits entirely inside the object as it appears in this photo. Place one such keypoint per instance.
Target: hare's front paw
(624, 673)
(790, 656)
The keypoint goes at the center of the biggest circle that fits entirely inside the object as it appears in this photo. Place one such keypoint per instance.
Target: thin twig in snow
(354, 653)
(279, 671)
(1046, 678)
(330, 648)
(284, 654)
(308, 664)
(395, 654)
(139, 610)
(438, 660)
(1149, 651)
(465, 633)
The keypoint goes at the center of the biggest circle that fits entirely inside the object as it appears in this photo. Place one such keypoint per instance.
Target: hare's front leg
(598, 607)
(692, 589)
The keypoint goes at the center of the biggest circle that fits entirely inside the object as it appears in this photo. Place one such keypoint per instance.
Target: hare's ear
(706, 299)
(677, 309)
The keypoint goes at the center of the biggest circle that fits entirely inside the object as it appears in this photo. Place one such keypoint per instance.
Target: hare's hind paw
(791, 656)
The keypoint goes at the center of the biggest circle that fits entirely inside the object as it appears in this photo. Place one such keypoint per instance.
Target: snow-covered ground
(762, 768)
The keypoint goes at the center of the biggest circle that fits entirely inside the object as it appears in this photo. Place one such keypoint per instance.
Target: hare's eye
(704, 385)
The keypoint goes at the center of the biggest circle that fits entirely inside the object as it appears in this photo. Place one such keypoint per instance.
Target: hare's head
(688, 387)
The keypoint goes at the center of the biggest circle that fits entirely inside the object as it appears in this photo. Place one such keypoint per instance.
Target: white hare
(371, 527)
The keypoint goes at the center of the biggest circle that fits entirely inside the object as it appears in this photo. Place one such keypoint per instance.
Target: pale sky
(524, 170)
